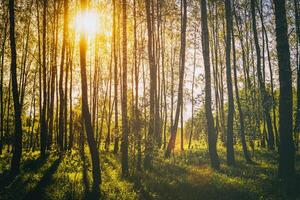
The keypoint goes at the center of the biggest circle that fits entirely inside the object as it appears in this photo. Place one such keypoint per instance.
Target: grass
(186, 175)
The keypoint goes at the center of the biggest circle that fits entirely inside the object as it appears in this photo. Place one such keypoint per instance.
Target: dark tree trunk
(53, 76)
(125, 129)
(61, 77)
(52, 83)
(17, 150)
(237, 96)
(85, 111)
(286, 168)
(44, 129)
(150, 138)
(229, 140)
(212, 138)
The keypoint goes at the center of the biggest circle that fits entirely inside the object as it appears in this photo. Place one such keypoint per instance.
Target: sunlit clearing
(87, 22)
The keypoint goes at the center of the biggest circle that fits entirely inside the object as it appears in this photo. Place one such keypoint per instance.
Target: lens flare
(87, 22)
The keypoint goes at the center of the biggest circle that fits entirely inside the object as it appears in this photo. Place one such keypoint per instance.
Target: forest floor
(186, 175)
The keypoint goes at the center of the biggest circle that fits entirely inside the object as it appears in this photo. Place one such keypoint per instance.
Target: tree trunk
(229, 140)
(286, 168)
(71, 136)
(171, 144)
(237, 96)
(1, 87)
(61, 77)
(193, 85)
(136, 109)
(17, 150)
(86, 112)
(271, 77)
(265, 96)
(181, 128)
(150, 138)
(212, 139)
(44, 129)
(116, 128)
(52, 82)
(125, 129)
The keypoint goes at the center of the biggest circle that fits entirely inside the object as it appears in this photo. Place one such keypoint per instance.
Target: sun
(87, 22)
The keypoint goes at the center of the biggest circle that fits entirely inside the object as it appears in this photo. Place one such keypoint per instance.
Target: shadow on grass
(188, 179)
(89, 194)
(6, 179)
(29, 165)
(38, 191)
(35, 164)
(169, 181)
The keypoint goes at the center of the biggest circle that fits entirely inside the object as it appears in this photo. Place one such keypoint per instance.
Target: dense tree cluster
(129, 76)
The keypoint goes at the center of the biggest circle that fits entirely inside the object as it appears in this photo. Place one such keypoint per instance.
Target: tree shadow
(38, 191)
(180, 181)
(90, 193)
(29, 165)
(35, 164)
(6, 179)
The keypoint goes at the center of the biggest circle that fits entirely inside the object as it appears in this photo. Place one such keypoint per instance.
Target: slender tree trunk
(237, 96)
(212, 139)
(103, 113)
(43, 129)
(265, 97)
(286, 168)
(43, 126)
(116, 128)
(229, 140)
(17, 150)
(1, 87)
(85, 110)
(61, 77)
(136, 109)
(215, 24)
(32, 105)
(171, 144)
(181, 128)
(193, 101)
(108, 136)
(52, 82)
(66, 99)
(165, 86)
(271, 76)
(33, 119)
(150, 138)
(71, 136)
(125, 128)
